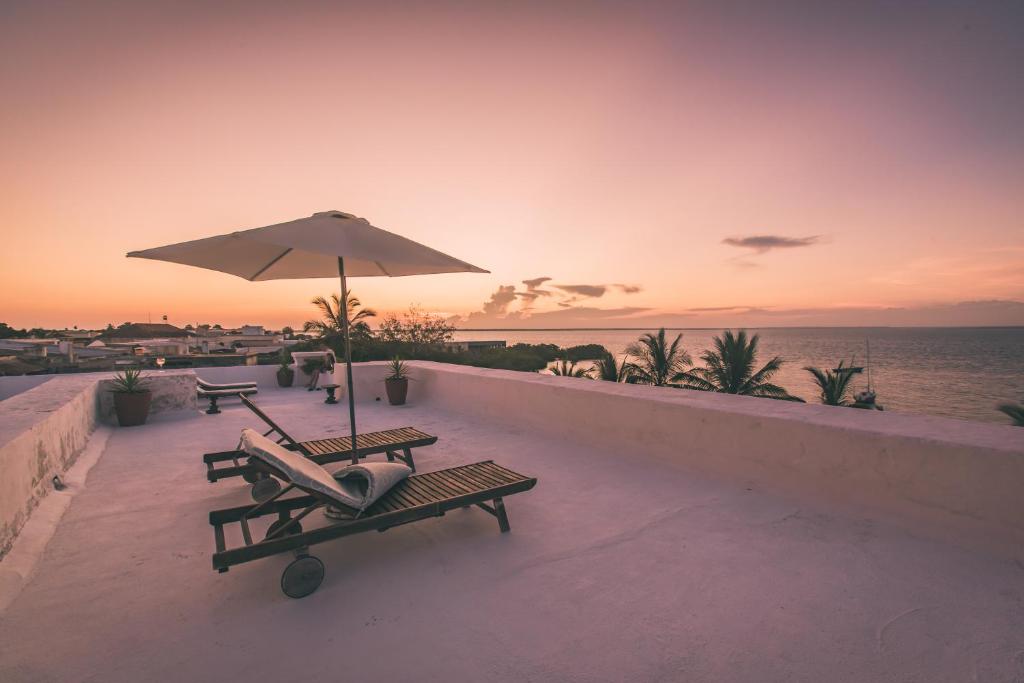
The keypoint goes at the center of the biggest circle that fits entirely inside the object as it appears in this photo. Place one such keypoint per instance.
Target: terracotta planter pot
(397, 390)
(132, 409)
(285, 377)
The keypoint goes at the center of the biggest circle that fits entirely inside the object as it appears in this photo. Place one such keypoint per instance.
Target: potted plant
(285, 372)
(131, 397)
(397, 382)
(313, 367)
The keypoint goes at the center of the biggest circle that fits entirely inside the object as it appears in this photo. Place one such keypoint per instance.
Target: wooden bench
(396, 444)
(213, 394)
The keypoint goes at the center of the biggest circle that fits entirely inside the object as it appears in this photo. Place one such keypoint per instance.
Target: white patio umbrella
(326, 244)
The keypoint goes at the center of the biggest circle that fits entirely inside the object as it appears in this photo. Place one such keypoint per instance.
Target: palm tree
(608, 369)
(834, 384)
(330, 322)
(566, 368)
(729, 369)
(657, 362)
(1015, 411)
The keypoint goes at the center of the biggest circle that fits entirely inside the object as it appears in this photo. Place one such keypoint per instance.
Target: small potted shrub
(131, 397)
(397, 382)
(313, 367)
(285, 372)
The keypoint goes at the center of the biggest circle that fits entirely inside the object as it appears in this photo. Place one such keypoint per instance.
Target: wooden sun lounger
(396, 444)
(212, 386)
(421, 496)
(213, 392)
(213, 395)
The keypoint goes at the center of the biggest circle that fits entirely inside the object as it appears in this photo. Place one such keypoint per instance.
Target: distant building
(11, 366)
(246, 337)
(28, 348)
(156, 347)
(25, 356)
(473, 345)
(145, 331)
(80, 336)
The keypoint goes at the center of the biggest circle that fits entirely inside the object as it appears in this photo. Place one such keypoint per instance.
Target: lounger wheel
(302, 576)
(251, 477)
(293, 529)
(265, 488)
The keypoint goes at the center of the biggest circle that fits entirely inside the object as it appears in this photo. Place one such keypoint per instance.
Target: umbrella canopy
(309, 248)
(326, 244)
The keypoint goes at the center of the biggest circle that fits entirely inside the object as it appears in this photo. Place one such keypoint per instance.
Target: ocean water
(959, 372)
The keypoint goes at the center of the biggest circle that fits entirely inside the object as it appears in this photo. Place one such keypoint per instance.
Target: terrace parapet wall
(948, 478)
(45, 428)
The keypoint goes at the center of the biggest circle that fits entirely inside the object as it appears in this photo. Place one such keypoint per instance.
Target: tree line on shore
(730, 366)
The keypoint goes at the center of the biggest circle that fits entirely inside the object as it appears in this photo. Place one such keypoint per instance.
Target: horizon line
(746, 327)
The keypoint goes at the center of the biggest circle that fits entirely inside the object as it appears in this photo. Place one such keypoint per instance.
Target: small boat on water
(866, 399)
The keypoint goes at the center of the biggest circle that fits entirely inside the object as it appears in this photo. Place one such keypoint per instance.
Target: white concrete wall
(171, 391)
(12, 386)
(948, 477)
(264, 375)
(42, 431)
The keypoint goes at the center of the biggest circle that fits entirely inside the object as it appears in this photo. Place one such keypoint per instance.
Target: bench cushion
(225, 385)
(227, 392)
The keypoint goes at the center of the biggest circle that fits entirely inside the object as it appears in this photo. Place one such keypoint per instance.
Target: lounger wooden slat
(479, 480)
(450, 485)
(446, 489)
(498, 470)
(489, 477)
(315, 447)
(483, 481)
(454, 483)
(410, 493)
(406, 498)
(422, 492)
(334, 445)
(434, 488)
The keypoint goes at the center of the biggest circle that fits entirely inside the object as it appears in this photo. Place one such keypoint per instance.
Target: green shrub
(585, 352)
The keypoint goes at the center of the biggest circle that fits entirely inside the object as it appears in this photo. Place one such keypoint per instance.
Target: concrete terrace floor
(616, 569)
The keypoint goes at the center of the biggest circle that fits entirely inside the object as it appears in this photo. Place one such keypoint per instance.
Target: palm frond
(567, 368)
(1014, 411)
(655, 360)
(729, 369)
(833, 385)
(608, 369)
(330, 320)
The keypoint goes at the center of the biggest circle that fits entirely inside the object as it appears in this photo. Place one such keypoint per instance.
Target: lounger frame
(291, 511)
(368, 444)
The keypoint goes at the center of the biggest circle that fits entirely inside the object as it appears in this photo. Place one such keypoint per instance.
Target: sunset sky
(694, 164)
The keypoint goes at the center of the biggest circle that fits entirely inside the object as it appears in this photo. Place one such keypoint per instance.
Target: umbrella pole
(348, 358)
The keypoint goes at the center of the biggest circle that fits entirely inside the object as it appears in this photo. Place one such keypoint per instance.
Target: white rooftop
(617, 568)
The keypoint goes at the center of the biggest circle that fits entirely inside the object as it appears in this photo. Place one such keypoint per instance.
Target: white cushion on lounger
(361, 484)
(366, 482)
(299, 469)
